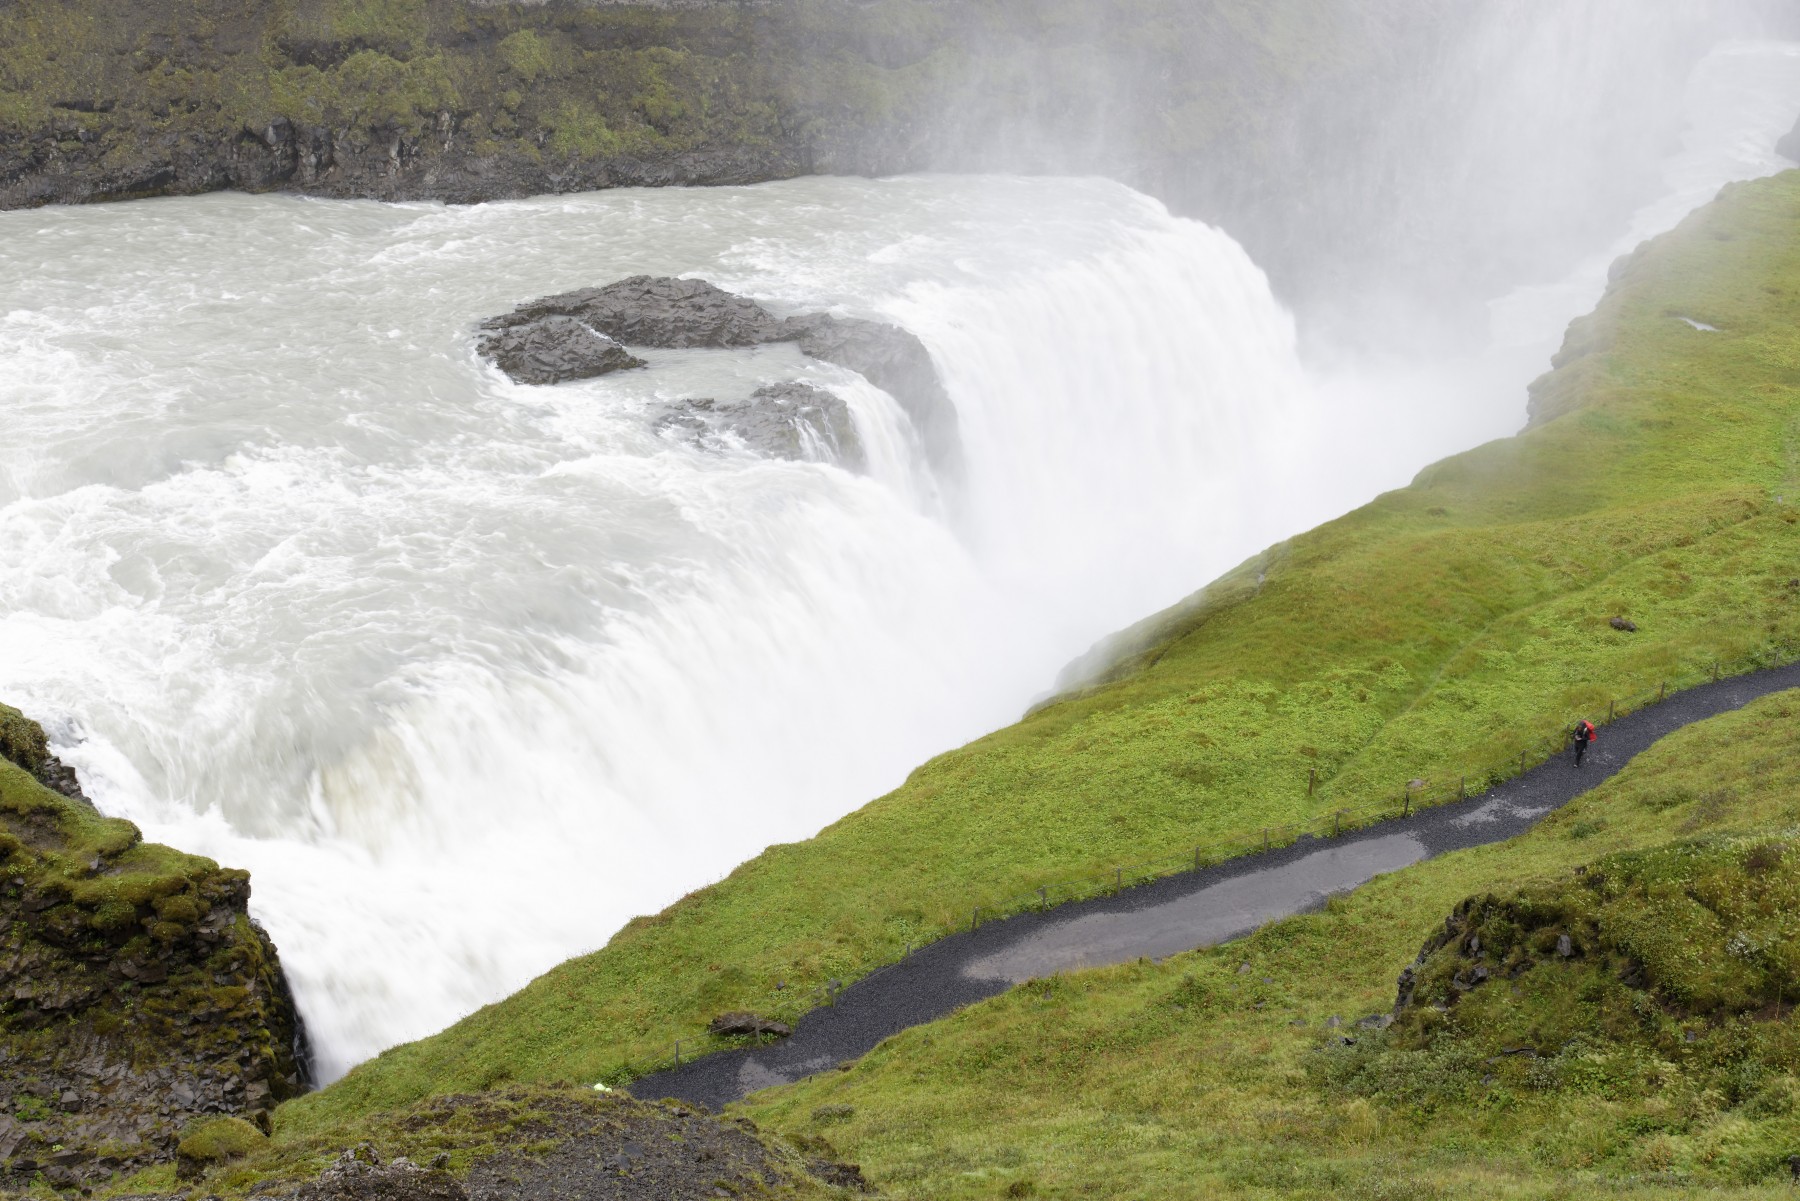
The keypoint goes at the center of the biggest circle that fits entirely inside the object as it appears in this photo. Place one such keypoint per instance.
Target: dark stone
(847, 1176)
(1621, 623)
(788, 421)
(662, 312)
(553, 349)
(745, 1023)
(1375, 1021)
(894, 361)
(359, 1177)
(667, 313)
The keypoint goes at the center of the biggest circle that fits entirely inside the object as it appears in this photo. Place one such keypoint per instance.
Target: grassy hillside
(1652, 1061)
(1423, 637)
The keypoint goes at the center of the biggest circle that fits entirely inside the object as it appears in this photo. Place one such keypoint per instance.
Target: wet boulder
(894, 361)
(661, 312)
(785, 421)
(552, 349)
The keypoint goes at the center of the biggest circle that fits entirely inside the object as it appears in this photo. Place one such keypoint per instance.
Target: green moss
(220, 1140)
(526, 54)
(22, 740)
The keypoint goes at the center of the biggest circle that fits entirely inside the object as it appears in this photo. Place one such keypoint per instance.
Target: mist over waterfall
(467, 673)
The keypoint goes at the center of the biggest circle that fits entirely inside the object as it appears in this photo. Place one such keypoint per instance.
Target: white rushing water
(467, 673)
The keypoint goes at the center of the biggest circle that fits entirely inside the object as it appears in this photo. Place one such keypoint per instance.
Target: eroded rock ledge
(136, 994)
(659, 312)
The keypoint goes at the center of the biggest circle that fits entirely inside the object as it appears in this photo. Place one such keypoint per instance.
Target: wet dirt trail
(1182, 912)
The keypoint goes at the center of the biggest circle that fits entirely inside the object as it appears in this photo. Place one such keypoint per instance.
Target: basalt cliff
(137, 996)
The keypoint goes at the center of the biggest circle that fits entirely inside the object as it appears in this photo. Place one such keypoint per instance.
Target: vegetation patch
(1259, 1068)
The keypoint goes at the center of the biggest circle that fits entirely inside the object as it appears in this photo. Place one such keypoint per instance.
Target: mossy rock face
(136, 994)
(517, 1141)
(1677, 967)
(22, 741)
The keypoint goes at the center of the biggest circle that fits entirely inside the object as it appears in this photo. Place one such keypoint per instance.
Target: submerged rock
(667, 313)
(552, 349)
(787, 421)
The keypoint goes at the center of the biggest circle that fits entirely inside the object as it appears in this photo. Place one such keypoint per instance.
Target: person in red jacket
(1584, 734)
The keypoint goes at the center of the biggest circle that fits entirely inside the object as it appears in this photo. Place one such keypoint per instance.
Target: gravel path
(1183, 912)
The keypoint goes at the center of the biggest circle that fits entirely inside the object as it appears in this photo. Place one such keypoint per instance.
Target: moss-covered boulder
(1673, 972)
(216, 1142)
(136, 995)
(22, 742)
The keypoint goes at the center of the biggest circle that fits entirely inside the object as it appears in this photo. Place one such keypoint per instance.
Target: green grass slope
(1657, 1059)
(1422, 637)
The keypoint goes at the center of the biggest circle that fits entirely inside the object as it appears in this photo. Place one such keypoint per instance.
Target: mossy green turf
(1426, 635)
(1192, 1078)
(49, 843)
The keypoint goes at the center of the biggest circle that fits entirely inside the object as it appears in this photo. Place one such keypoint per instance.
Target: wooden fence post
(1312, 780)
(1661, 690)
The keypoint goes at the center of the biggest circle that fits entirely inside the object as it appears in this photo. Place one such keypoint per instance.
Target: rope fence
(1403, 802)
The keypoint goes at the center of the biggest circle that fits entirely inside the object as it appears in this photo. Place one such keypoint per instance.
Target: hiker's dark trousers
(1580, 750)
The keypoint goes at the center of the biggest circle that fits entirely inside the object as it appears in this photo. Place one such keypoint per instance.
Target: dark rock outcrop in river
(670, 314)
(786, 421)
(551, 349)
(136, 994)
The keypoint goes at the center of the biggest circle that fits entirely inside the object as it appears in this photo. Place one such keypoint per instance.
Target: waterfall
(468, 673)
